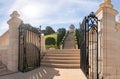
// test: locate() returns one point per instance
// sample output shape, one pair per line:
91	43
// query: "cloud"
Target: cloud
41	9
3	27
50	12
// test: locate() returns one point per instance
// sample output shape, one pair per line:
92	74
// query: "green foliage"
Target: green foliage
48	30
43	31
77	34
63	39
52	46
60	34
52	35
30	28
61	30
50	41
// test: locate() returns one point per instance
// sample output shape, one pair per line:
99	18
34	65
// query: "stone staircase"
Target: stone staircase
4	70
66	58
69	42
2	67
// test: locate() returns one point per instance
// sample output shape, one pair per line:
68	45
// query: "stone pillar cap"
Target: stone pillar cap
72	26
15	14
14	18
107	1
42	34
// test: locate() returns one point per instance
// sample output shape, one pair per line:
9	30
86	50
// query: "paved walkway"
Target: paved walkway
47	73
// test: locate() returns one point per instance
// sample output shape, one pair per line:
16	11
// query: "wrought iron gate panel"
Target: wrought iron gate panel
89	46
29	48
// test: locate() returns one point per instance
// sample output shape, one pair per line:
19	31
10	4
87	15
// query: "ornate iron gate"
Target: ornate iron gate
29	48
89	46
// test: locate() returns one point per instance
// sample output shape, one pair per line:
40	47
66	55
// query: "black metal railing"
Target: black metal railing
89	46
29	48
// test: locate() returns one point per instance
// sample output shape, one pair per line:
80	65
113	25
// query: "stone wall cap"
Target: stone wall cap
15	14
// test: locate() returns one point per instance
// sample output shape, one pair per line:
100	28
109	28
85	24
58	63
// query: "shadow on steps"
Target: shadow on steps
39	73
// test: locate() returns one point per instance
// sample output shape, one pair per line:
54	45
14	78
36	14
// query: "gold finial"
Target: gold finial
107	1
14	14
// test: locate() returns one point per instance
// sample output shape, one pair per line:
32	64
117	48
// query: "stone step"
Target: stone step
61	61
60	65
63	55
67	58
69	42
6	72
63	52
0	63
66	52
62	58
2	68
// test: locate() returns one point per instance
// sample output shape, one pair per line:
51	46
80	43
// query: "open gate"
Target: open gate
89	46
29	48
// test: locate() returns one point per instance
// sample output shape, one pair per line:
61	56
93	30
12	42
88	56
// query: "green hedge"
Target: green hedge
50	41
60	35
62	42
77	34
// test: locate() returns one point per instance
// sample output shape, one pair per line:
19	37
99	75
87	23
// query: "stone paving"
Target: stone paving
47	73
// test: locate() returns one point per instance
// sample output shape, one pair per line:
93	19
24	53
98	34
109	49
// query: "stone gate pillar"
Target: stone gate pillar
108	40
43	49
13	23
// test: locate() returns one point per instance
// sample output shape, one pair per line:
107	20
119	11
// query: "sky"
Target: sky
54	13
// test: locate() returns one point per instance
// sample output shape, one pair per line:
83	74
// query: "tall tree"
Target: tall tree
60	34
61	30
48	30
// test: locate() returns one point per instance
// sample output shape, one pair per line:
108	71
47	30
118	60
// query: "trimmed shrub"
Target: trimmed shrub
60	35
50	41
77	34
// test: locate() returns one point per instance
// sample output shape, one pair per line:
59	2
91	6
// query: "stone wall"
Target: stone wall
4	39
4	43
3	54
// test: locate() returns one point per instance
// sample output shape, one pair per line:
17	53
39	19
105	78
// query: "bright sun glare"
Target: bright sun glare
31	11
